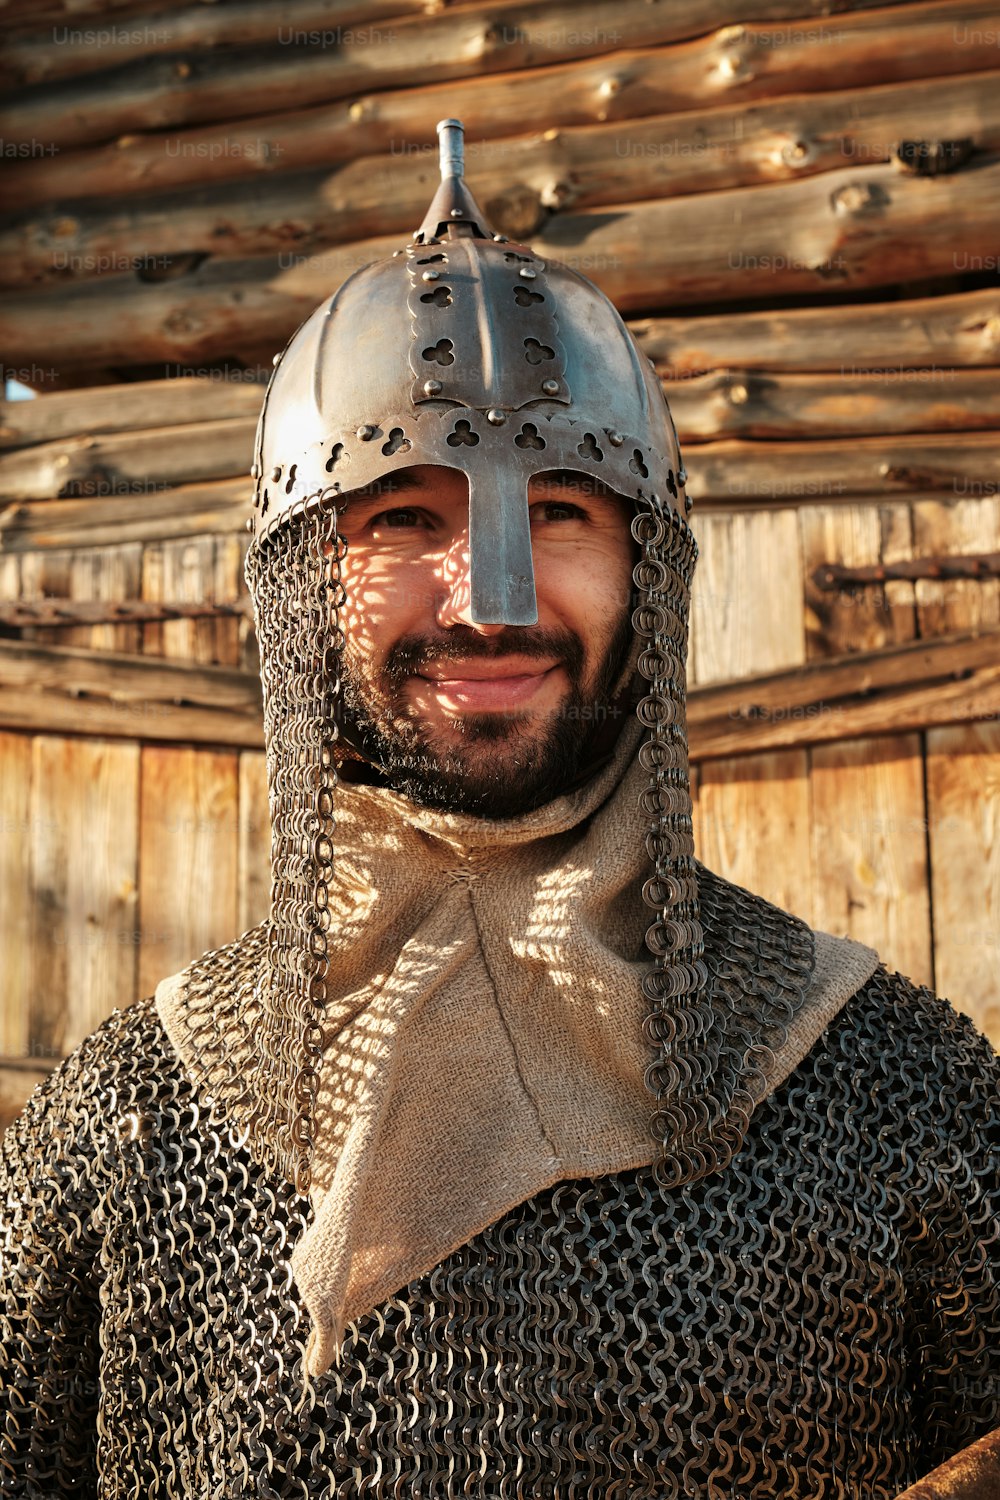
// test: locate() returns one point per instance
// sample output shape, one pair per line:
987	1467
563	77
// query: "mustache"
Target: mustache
412	652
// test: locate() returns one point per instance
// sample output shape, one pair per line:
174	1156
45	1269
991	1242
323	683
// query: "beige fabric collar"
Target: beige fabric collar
487	1022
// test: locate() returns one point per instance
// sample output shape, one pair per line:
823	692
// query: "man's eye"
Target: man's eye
399	518
557	510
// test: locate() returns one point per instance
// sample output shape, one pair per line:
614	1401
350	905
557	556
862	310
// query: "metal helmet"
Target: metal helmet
467	351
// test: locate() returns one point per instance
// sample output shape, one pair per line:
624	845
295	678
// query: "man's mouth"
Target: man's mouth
486	684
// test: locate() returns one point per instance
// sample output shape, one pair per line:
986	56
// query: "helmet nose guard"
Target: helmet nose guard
467	351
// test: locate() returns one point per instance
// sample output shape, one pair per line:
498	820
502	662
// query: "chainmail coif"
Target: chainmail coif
819	1320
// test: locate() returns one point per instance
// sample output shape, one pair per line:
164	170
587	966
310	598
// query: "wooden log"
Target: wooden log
476	40
129	463
520	182
69	50
188	510
68	613
123	408
85	798
759	404
97	576
735	63
826	235
954	680
896	339
734	475
68	690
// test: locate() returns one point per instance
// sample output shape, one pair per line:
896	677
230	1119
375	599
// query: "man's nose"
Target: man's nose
455	592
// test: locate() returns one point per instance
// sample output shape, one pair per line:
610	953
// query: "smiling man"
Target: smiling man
514	1156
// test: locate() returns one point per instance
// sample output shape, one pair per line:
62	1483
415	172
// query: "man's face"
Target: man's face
487	719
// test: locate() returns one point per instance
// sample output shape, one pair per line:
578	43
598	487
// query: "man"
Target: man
515	1154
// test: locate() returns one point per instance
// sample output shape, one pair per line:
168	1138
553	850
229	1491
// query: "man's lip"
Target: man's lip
484	671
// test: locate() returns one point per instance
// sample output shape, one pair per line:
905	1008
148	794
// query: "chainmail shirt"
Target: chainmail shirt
819	1320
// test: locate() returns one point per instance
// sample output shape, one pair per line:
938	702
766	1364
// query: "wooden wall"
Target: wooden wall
800	215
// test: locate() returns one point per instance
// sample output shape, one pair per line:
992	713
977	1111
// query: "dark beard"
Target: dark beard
524	770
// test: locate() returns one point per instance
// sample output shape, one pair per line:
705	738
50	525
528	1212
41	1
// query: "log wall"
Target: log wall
798	212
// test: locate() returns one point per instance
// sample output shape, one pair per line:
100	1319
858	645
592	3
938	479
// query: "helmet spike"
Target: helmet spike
453	211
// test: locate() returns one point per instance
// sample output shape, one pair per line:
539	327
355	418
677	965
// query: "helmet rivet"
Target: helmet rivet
430	275
456	213
496	416
432	387
550	387
682	478
249	523
527	273
276	360
254	471
615	439
501	239
276	473
366	432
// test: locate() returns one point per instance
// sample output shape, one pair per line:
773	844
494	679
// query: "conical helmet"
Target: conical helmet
467	351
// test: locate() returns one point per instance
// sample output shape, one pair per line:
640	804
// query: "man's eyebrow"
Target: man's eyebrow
387	484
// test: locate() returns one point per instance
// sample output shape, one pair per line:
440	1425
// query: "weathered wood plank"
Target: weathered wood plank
127	408
963	791
15	891
892	691
734	63
506	35
855	619
254	852
949	681
915	340
221	507
17	1082
129	463
739	627
521	181
187	874
84	831
74	691
943	529
861	227
870	877
759	404
70	50
736	474
753	825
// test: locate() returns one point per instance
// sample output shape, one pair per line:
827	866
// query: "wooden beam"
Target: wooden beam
762	404
735	63
124	408
829	235
737	475
520	182
189	510
955	679
68	690
111	42
130	463
929	333
284	73
952	680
